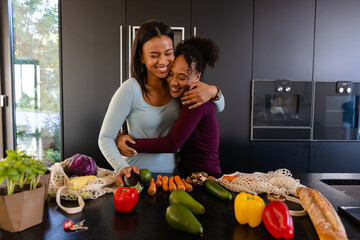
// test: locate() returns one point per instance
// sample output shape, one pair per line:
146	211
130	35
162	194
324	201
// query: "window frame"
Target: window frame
6	75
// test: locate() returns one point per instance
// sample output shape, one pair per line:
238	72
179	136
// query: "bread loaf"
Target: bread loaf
322	214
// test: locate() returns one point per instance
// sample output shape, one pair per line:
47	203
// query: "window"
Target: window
36	91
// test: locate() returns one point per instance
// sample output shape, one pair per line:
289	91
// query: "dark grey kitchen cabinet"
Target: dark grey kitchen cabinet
270	156
334	157
95	59
336	58
283	39
229	24
90	44
173	13
283	49
337	38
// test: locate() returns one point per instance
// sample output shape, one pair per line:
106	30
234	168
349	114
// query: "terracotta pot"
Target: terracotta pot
22	210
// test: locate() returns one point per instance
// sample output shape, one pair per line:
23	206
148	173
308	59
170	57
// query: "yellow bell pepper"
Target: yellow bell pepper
248	209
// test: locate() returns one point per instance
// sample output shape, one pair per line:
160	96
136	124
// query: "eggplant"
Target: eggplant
134	181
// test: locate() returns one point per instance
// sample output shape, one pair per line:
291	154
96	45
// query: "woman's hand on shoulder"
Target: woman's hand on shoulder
198	94
124	149
125	171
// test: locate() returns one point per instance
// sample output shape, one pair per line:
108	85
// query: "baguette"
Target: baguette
324	217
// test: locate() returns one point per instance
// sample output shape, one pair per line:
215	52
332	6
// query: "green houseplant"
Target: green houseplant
22	198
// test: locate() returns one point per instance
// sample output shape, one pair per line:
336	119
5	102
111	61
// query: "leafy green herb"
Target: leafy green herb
18	168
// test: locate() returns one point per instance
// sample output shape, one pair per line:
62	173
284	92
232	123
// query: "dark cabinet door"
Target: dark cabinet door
174	13
283	39
229	24
90	34
337	39
334	157
270	156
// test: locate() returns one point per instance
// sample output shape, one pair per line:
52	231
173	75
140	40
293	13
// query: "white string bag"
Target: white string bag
59	186
279	182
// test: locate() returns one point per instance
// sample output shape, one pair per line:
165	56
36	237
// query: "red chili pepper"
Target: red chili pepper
68	224
278	220
125	199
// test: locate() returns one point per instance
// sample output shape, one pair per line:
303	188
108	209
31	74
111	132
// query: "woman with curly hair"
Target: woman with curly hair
196	131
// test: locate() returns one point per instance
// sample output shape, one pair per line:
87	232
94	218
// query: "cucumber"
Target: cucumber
218	190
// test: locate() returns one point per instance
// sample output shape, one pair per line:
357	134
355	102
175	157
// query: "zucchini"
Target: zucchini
218	190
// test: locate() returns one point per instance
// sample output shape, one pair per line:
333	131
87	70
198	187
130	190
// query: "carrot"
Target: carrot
188	186
165	183
179	183
229	178
158	181
172	185
152	187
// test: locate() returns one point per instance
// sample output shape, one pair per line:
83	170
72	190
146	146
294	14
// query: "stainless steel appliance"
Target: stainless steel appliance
336	111
281	110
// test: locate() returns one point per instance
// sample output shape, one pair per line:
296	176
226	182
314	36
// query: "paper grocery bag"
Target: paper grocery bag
22	210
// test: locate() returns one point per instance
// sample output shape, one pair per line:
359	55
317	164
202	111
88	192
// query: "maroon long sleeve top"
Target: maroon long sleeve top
196	134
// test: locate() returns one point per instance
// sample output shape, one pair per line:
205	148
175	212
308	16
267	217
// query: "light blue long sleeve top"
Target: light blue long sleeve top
143	121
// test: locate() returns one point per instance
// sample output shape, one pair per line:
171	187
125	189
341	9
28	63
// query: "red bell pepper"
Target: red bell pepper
278	220
125	199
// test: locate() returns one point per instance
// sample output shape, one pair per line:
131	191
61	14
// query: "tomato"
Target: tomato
125	199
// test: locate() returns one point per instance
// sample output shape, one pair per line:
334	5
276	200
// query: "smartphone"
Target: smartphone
351	211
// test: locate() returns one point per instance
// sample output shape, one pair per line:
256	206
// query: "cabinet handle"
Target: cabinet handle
194	31
130	43
121	55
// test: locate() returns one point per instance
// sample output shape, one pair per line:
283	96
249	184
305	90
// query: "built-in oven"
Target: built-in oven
281	110
336	111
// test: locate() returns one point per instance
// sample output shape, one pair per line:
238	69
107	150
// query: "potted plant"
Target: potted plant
22	198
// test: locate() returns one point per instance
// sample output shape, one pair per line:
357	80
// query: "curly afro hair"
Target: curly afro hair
198	52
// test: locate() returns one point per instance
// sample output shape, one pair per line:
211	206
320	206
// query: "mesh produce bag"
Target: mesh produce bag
279	182
104	183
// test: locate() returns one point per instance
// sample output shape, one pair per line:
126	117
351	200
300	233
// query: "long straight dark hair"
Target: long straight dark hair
148	30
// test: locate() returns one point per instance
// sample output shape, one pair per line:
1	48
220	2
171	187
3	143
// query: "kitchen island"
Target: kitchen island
147	220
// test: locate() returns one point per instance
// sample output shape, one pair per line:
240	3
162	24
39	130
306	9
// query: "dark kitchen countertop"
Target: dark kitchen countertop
147	220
